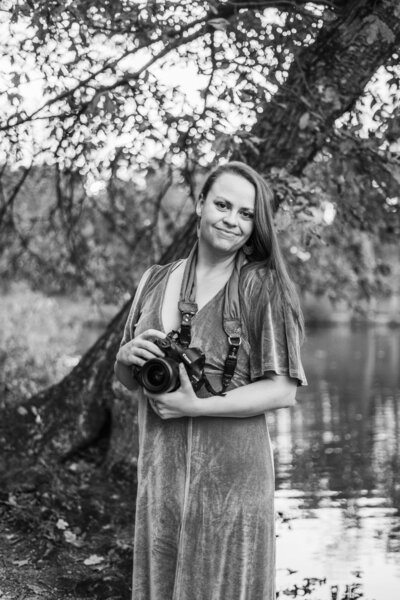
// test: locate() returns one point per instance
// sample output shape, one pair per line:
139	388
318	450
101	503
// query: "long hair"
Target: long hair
266	254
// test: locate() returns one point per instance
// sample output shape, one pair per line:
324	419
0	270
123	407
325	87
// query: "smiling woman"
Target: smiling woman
205	500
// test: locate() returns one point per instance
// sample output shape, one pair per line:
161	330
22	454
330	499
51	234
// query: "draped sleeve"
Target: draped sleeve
274	342
134	312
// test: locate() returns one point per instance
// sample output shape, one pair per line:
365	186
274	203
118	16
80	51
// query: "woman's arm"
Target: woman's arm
276	391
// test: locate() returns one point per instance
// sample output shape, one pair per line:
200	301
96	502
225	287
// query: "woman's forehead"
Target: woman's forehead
234	187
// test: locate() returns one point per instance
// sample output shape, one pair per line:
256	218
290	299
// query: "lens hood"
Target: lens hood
159	375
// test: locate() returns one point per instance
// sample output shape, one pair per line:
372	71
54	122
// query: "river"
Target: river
337	459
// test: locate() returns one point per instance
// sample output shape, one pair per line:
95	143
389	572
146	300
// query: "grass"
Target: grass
42	338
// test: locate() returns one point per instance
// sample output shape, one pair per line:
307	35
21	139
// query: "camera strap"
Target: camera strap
231	314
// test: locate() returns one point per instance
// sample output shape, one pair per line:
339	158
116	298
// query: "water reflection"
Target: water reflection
337	459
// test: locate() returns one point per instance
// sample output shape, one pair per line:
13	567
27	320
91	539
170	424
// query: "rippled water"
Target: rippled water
337	455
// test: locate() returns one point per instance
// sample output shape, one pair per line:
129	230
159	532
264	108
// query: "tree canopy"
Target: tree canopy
103	140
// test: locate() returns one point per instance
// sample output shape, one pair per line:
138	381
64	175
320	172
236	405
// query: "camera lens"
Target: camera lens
160	375
156	375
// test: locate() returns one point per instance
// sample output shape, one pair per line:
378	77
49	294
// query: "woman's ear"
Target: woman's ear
199	205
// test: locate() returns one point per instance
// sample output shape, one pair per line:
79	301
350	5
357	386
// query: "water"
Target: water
337	458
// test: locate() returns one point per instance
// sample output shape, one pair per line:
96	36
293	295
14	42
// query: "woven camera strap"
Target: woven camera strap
231	314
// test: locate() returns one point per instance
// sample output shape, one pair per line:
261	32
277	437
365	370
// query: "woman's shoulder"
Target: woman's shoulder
156	273
157	268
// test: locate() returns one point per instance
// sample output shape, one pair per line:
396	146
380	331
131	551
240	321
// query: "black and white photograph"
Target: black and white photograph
199	300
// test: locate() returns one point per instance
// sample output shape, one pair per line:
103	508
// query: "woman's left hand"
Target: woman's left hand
180	403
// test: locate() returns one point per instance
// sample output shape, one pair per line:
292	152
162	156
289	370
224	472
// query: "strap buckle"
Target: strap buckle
187	317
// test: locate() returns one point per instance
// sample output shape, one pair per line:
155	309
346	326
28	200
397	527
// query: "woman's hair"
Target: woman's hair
264	242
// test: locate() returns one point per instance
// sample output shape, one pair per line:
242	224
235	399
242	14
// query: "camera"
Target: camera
159	375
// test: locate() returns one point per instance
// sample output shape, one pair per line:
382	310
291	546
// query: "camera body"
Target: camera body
159	375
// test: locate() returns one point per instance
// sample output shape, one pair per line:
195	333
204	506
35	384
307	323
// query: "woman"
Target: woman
204	512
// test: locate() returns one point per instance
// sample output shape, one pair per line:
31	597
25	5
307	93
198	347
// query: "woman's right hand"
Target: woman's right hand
141	348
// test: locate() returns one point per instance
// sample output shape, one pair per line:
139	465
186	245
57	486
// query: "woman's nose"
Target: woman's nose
230	218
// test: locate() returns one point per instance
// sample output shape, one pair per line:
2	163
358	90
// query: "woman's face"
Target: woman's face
227	213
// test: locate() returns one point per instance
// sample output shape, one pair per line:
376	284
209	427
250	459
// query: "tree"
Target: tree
296	75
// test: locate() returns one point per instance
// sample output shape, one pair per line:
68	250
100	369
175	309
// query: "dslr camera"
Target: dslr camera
159	375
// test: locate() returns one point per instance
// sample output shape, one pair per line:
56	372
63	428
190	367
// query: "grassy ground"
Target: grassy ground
41	338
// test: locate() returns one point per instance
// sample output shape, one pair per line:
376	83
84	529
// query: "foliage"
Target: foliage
98	93
102	72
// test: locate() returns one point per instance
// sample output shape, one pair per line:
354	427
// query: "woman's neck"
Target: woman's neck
208	261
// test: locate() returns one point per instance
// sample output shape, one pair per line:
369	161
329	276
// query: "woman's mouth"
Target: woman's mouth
226	232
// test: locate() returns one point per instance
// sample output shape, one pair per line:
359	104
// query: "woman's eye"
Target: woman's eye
220	204
247	215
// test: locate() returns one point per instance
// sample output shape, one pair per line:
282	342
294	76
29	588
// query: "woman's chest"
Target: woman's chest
205	292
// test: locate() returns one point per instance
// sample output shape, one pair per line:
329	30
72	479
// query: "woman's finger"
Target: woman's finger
150	346
155	407
137	351
153	333
142	353
136	357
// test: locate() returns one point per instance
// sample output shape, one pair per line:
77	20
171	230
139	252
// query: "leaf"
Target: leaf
213	6
378	28
346	146
372	34
331	96
304	120
12	500
256	140
386	33
72	538
252	146
94	559
395	172
109	105
36	588
220	24
61	524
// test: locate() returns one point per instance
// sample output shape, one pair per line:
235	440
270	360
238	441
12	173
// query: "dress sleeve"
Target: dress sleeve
134	312
275	345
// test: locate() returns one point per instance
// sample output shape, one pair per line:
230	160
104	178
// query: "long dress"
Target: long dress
204	525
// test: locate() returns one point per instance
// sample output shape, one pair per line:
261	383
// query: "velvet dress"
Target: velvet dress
204	526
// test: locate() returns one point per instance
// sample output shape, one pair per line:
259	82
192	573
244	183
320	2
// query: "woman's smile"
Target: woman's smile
226	232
